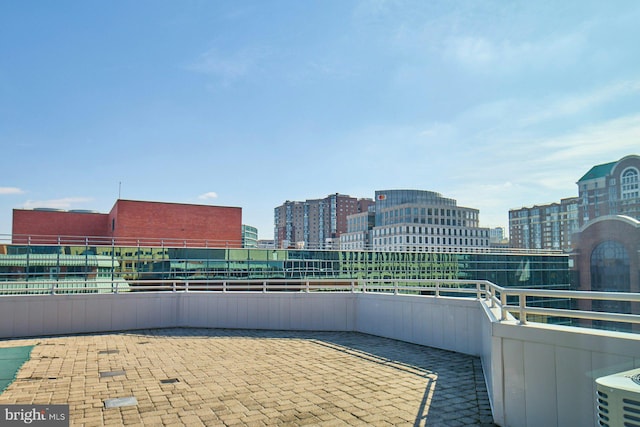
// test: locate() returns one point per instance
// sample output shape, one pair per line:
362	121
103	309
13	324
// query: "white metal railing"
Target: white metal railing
512	303
172	242
523	310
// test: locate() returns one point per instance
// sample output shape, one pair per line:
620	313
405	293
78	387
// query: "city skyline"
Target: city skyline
250	104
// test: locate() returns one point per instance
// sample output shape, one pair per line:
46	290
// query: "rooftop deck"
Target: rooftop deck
190	376
219	356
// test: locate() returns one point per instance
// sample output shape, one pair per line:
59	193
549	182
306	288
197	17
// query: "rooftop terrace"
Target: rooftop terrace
315	351
190	376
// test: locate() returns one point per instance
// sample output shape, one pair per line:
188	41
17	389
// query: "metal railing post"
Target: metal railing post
264	287
503	304
224	286
522	302
478	291
306	287
186	286
174	287
353	286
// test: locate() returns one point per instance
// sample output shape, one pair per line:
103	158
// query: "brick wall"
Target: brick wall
194	225
49	227
131	223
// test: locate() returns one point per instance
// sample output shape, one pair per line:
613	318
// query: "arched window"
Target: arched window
629	184
610	271
610	267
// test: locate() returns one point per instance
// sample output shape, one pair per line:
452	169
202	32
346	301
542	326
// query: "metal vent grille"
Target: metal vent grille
631	412
618	400
603	408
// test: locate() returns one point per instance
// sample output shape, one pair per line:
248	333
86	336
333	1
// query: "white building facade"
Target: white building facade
418	221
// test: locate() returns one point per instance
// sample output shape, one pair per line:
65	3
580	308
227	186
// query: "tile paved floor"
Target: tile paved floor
220	377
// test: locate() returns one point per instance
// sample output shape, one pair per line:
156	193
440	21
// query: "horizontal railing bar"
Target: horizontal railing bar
581	314
592	295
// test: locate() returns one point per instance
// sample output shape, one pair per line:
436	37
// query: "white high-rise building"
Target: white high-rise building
419	221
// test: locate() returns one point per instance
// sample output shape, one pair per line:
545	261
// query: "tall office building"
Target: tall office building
547	226
417	220
315	223
610	189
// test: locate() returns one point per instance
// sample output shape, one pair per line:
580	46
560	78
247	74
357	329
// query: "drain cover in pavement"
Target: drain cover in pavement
120	401
111	374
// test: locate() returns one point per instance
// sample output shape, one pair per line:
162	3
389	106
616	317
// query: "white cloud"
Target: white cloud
492	55
439	131
551	163
208	196
514	132
64	203
229	66
580	103
472	50
10	190
607	141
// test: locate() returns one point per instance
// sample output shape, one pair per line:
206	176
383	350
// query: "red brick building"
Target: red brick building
132	223
44	226
606	258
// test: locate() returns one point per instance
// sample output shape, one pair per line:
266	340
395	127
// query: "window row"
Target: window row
419	240
473	232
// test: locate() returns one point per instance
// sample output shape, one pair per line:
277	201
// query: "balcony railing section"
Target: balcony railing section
511	305
172	242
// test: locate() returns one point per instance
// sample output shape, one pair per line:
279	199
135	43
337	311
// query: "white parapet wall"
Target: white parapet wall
35	315
544	375
447	323
536	375
313	311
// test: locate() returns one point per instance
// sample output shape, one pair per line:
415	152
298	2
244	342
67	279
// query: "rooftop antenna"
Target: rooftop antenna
119	189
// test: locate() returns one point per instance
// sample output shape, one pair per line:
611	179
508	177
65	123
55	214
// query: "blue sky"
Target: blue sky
498	104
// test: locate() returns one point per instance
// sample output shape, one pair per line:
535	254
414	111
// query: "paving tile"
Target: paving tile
249	377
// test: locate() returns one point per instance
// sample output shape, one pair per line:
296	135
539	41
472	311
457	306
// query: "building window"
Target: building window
629	184
610	267
610	271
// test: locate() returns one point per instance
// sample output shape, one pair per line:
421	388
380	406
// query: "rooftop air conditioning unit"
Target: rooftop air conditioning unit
618	399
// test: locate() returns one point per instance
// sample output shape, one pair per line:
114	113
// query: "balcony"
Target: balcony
531	373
